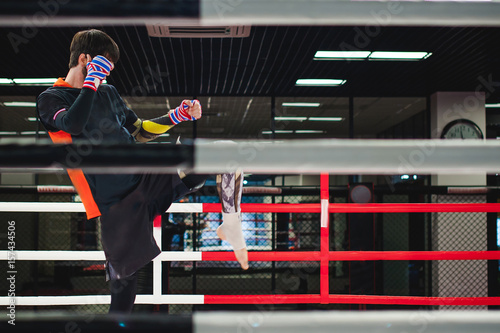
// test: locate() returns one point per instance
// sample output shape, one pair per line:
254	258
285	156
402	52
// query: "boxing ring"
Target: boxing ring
338	156
319	157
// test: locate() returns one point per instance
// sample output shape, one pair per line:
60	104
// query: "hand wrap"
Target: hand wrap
97	70
181	113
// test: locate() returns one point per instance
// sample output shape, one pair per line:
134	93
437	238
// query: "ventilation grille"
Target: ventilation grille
159	30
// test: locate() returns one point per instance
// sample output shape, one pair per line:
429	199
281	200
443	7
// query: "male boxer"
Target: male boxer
80	108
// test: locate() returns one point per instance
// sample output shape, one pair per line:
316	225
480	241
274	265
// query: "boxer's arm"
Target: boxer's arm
148	130
71	119
74	119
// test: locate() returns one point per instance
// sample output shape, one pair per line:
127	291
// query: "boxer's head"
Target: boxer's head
93	42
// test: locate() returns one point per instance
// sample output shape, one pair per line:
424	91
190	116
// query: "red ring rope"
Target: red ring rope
349	299
363	208
324	256
355	256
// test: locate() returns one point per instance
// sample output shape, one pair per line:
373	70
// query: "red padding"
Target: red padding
355	256
349	299
157	222
325	186
362	208
324	241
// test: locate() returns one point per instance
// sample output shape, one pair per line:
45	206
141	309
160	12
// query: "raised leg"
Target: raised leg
230	187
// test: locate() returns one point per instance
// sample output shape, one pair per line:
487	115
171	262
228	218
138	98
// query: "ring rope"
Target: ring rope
55	255
342	156
324	256
75	207
255	299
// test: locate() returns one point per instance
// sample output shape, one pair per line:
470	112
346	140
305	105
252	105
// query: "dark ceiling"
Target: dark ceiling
270	60
241	74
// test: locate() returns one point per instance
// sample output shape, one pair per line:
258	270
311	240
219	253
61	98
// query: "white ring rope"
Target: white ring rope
301	12
337	156
347	321
100	299
54	255
76	207
350	156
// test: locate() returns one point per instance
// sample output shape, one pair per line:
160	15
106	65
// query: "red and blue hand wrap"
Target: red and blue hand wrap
97	70
180	113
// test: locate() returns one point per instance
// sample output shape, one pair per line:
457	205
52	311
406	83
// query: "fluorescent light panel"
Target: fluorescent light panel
292	132
32	133
320	82
341	55
308	118
28	81
20	104
290	118
31	119
492	106
325	118
31	81
301	105
278	132
308	131
22	133
35	81
370	55
382	55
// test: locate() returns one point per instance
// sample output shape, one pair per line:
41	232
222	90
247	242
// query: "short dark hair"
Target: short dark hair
94	42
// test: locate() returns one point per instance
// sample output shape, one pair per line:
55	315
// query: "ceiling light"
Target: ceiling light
301	105
278	132
7	133
290	118
164	135
383	55
370	55
32	132
325	118
492	106
31	119
28	81
32	81
6	81
320	82
308	131
341	55
20	104
35	81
